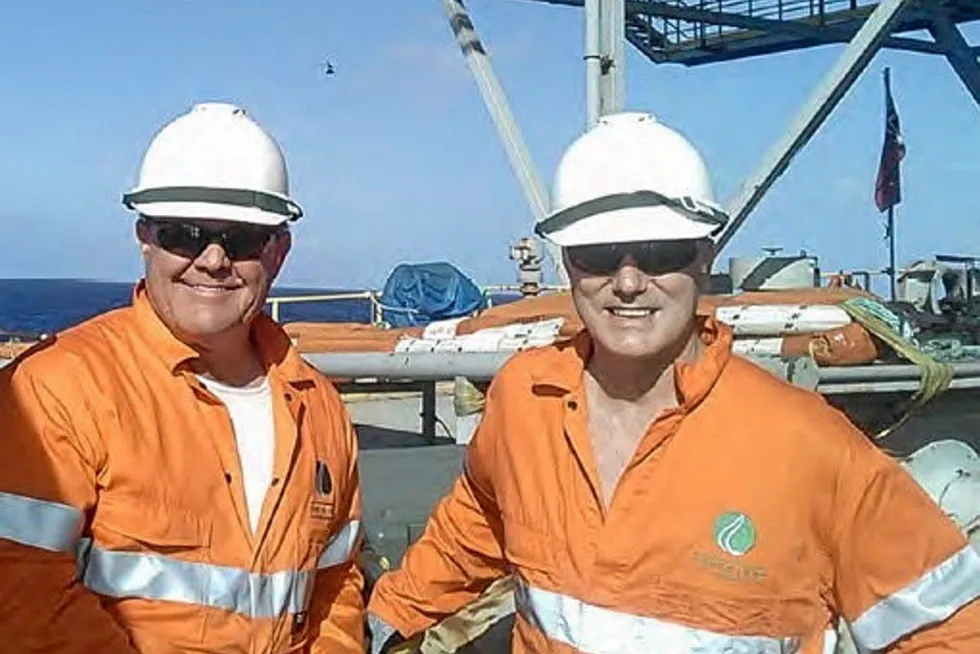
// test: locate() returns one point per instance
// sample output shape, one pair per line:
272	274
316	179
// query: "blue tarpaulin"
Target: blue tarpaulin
417	294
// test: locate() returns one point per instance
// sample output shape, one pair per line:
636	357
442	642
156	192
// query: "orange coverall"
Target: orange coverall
750	518
123	521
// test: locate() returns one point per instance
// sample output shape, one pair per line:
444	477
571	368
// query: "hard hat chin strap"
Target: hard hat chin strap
230	196
693	208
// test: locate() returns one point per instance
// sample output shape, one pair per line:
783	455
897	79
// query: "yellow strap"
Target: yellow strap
935	375
472	621
466	625
467	398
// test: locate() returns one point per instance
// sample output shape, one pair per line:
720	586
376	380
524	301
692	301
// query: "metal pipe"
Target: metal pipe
884	372
612	44
422	366
960	383
605	58
593	62
484	365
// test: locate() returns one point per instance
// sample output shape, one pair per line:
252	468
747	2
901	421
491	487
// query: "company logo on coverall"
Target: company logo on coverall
322	506
735	535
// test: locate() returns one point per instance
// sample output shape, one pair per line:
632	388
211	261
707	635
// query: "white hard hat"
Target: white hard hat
631	178
214	162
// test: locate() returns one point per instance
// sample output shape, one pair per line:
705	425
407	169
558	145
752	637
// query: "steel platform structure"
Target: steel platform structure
696	32
699	32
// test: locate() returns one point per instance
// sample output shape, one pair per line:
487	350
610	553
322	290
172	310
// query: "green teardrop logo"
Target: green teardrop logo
734	533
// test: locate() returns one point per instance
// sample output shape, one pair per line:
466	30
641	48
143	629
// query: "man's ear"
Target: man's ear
706	253
706	258
282	246
143	237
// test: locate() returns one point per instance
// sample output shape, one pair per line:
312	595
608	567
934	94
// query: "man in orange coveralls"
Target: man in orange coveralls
173	476
650	491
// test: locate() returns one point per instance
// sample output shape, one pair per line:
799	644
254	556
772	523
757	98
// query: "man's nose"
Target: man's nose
629	280
213	258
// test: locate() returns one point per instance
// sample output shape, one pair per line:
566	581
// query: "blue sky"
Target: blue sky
395	158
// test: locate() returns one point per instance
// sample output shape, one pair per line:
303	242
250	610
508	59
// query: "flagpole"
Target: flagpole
892	272
888	184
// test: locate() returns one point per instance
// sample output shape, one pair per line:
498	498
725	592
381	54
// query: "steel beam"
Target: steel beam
593	62
612	40
503	119
828	93
605	58
962	57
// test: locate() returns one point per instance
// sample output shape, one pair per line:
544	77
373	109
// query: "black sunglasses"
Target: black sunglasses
651	257
240	242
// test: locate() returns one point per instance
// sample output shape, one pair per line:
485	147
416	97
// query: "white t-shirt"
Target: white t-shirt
251	416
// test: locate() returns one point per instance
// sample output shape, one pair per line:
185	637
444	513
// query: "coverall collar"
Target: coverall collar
693	379
274	346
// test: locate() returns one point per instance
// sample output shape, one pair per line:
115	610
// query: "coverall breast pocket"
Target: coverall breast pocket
155	560
317	523
153	526
529	553
321	503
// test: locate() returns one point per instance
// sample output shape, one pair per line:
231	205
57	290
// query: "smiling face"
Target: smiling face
638	301
215	292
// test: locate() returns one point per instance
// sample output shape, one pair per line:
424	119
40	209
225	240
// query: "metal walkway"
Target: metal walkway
709	31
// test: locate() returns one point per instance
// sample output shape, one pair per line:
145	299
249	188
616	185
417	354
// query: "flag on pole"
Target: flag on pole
888	185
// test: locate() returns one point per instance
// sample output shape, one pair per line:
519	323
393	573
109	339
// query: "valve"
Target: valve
527	253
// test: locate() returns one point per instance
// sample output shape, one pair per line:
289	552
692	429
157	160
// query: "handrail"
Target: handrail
374	297
276	301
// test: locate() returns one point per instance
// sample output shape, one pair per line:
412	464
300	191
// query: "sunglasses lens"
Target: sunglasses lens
189	240
595	259
668	257
181	239
244	242
653	258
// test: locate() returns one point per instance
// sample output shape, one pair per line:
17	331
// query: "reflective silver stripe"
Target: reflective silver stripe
341	546
934	597
830	641
38	523
158	577
597	630
152	576
380	631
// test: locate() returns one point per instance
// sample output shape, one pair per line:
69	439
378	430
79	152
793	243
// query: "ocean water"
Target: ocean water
44	306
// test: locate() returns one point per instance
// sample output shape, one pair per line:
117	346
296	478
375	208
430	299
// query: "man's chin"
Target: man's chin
201	330
636	346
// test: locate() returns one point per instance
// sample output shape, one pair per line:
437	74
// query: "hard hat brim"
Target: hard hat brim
234	205
207	211
630	217
599	230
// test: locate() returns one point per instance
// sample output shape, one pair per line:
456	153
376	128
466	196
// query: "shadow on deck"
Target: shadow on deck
371	437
